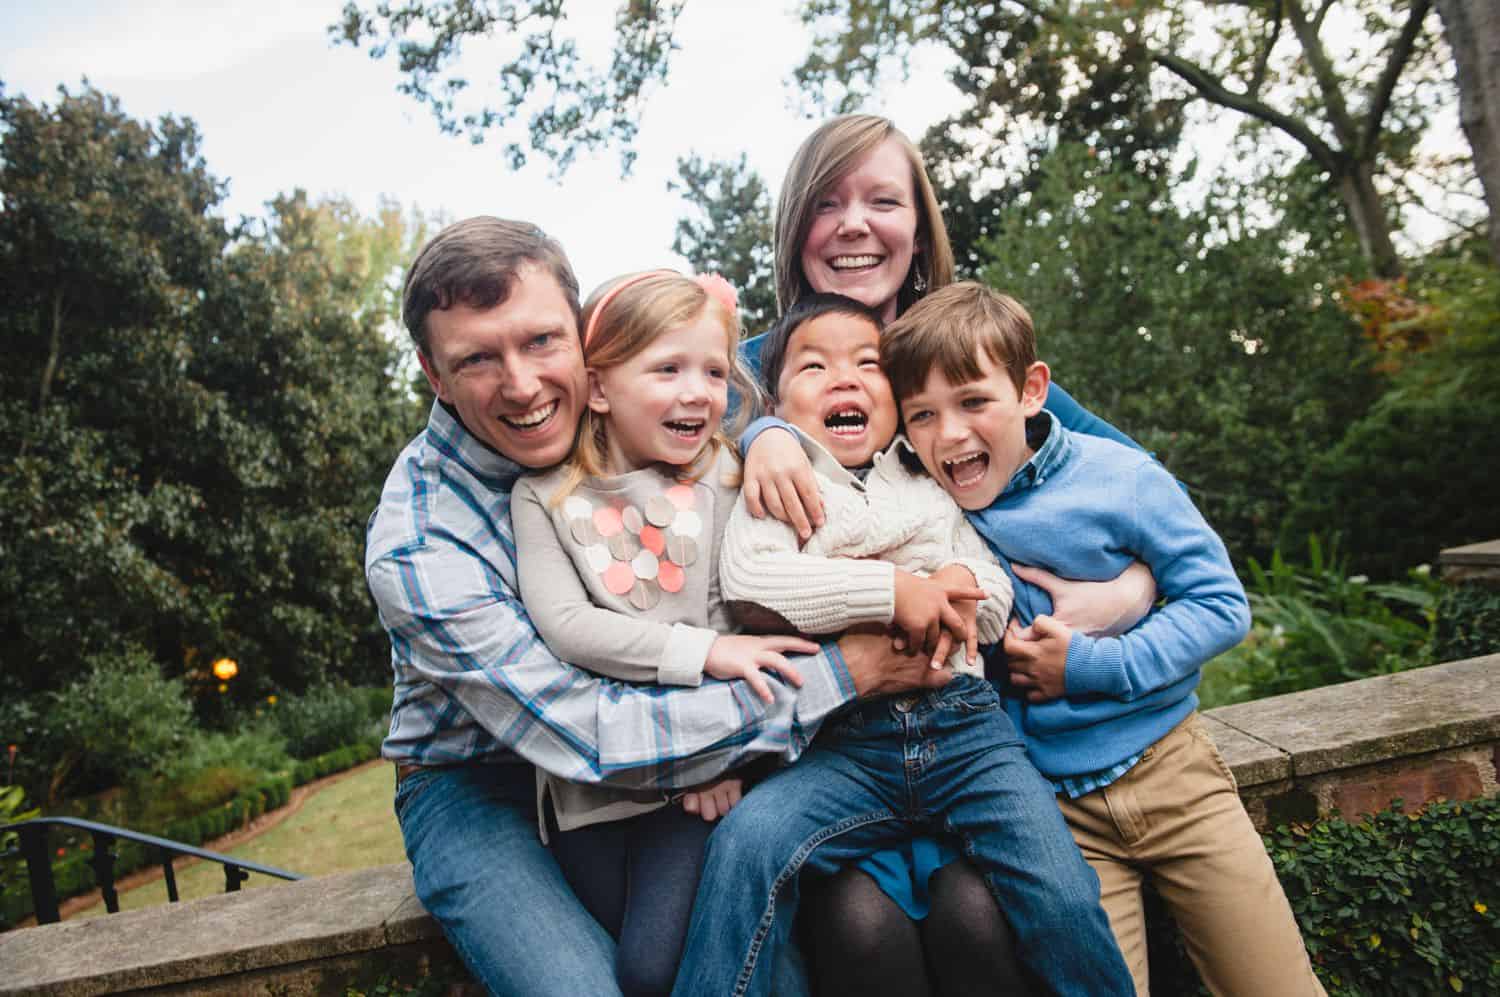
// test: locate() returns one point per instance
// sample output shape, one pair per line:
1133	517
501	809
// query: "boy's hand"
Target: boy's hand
713	800
779	479
1038	657
738	656
925	608
957	574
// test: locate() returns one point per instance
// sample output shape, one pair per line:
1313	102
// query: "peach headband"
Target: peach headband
713	285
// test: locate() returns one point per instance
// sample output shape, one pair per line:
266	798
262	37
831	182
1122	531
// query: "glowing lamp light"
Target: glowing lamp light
225	669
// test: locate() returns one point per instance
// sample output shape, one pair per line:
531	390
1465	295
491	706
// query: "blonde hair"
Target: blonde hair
948	329
623	317
830	152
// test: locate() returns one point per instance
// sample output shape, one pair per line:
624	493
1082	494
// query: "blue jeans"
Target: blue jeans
949	760
481	870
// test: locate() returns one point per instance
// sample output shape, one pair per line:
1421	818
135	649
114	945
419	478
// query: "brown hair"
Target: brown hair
474	262
833	150
948	328
631	318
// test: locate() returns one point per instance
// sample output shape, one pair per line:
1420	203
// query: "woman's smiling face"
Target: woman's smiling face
864	231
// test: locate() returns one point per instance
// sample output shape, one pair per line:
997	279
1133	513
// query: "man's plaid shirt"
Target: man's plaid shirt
475	683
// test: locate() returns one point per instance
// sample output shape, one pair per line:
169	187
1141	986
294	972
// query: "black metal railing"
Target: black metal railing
33	847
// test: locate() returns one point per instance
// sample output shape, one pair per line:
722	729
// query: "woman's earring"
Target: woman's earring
919	282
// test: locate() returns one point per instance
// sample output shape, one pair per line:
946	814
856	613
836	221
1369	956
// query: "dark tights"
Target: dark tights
862	942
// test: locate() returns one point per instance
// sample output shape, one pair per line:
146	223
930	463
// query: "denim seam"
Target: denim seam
791	869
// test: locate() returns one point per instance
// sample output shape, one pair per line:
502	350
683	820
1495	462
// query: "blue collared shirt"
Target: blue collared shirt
474	682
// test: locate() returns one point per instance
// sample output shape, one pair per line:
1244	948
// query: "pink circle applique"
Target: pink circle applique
618	578
670	577
681	496
653	540
607	521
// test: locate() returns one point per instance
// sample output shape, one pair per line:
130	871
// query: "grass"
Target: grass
346	825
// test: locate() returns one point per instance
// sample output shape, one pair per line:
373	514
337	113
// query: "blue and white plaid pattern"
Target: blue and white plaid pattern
1083	785
473	681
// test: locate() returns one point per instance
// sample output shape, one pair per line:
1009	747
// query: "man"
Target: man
492	307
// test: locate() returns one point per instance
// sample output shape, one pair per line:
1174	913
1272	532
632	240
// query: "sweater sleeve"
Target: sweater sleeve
603	641
1205	613
762	565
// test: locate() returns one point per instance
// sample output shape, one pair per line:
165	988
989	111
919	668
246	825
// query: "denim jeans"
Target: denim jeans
481	870
948	760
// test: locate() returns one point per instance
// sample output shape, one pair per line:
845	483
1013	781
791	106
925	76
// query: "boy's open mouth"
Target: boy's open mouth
965	470
847	420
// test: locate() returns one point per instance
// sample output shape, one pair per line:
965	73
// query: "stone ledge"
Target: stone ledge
1361	723
1431	731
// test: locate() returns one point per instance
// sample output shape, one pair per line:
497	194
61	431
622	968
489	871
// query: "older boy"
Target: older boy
948	760
1110	720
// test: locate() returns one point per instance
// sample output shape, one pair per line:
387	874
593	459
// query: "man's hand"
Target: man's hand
879	670
1038	658
713	800
779	479
1099	609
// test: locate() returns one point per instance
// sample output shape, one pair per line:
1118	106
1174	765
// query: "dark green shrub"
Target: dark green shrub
328	717
1468	622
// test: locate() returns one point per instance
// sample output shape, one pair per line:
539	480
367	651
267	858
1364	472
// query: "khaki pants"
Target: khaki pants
1177	817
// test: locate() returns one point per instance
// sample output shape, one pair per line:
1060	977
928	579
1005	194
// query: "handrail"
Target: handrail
33	846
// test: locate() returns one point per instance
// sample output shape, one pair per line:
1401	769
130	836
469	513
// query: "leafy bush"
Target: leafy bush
1468	622
257	746
329	717
122	721
1316	625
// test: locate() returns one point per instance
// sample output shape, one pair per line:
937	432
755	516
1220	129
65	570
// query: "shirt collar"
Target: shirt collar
452	438
1053	446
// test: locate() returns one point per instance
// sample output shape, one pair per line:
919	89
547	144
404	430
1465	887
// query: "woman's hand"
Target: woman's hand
1099	609
778	479
740	656
713	800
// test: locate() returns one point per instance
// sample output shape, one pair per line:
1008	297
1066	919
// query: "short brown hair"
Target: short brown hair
474	262
830	152
948	328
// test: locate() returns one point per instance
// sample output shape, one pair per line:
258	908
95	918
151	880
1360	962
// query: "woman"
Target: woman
858	216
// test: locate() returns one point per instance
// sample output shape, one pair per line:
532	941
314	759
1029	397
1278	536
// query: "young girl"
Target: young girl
617	552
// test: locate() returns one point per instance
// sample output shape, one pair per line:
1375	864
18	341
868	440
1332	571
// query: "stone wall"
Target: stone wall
1419	735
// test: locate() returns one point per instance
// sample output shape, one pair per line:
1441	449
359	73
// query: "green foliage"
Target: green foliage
198	420
1468	622
121	722
327	717
1406	479
1398	903
1316	624
732	235
258	746
333	761
1199	335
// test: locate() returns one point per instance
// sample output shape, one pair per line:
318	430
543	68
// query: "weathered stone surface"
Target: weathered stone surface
1392	716
214	937
410	921
1414	786
1486	553
1253	761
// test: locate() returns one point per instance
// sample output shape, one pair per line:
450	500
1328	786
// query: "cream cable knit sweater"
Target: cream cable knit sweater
845	574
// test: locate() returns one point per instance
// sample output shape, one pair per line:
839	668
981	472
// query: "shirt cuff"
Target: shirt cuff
686	653
1096	666
759	426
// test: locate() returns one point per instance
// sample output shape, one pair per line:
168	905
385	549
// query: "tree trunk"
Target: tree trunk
1357	189
1472	28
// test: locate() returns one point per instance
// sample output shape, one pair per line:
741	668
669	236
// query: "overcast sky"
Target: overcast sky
280	107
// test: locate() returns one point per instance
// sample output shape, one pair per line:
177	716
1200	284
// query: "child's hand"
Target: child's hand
713	800
957	574
1038	657
778	479
744	657
925	608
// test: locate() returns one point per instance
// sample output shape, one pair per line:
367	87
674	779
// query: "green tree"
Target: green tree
731	234
198	428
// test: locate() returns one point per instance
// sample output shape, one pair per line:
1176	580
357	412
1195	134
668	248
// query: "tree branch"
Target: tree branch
1380	99
1323	74
1258	75
1215	92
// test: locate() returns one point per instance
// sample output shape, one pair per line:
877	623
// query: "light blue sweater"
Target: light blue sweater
1084	508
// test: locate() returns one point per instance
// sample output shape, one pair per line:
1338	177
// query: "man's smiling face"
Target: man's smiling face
513	372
